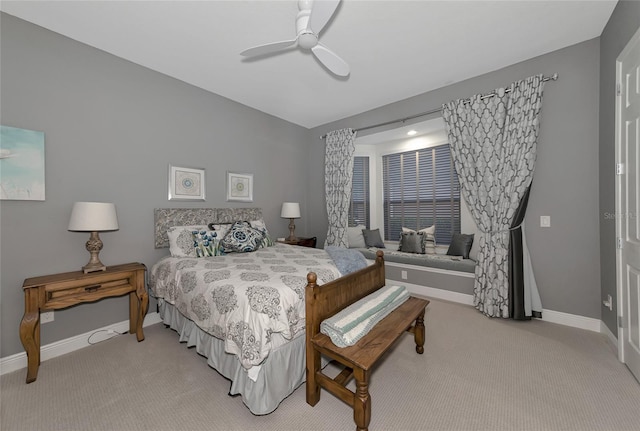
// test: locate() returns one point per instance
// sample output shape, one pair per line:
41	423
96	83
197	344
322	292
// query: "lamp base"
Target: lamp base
93	267
292	228
94	245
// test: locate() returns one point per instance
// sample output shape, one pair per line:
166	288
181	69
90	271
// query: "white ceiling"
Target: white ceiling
396	49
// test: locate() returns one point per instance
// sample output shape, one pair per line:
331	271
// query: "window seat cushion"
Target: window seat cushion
441	261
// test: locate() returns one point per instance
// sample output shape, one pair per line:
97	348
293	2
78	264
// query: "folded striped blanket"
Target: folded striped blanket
346	327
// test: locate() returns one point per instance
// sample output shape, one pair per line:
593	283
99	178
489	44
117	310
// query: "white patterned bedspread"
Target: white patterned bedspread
243	298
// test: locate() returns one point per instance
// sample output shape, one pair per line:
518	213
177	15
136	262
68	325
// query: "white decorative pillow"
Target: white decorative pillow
355	237
429	245
262	227
429	231
181	240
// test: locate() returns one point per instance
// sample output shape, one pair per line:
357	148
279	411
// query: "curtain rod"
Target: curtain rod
553	77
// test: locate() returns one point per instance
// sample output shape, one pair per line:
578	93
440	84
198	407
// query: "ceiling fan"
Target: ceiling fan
310	21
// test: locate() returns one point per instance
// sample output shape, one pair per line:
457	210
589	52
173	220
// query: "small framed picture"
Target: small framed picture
186	184
239	187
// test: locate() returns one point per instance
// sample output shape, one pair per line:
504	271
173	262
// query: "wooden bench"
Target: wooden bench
323	302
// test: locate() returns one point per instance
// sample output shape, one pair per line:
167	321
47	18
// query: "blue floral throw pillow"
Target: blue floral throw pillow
206	243
242	238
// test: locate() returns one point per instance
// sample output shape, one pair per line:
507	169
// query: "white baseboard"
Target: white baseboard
431	269
432	292
551	316
58	348
613	339
573	320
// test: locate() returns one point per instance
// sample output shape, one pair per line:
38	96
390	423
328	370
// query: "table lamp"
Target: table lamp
291	210
93	217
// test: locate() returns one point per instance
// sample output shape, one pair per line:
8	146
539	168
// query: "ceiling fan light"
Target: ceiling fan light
307	40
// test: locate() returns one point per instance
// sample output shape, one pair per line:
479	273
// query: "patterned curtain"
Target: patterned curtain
338	172
493	143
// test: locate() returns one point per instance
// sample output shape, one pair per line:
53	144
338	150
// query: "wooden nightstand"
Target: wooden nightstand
57	291
304	242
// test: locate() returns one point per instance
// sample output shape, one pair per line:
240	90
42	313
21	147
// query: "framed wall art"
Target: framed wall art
239	187
21	164
186	184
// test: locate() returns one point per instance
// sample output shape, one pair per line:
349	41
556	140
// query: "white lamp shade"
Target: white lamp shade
93	217
290	210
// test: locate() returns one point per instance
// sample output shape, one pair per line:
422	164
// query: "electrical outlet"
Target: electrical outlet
46	317
545	221
403	274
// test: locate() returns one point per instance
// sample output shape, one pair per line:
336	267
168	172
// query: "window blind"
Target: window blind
359	205
420	189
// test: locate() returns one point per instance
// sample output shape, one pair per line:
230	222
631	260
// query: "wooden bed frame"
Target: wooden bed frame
323	302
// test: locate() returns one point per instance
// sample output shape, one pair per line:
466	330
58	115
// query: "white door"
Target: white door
628	203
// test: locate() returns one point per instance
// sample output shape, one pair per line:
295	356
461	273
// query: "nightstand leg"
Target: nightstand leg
30	334
138	305
133	312
144	305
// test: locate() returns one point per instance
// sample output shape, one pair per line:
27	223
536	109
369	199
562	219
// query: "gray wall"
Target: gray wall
622	25
566	256
111	129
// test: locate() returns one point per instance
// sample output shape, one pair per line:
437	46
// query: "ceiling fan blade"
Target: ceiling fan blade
268	48
321	13
331	60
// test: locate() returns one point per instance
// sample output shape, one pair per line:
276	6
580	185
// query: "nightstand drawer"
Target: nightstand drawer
55	296
65	293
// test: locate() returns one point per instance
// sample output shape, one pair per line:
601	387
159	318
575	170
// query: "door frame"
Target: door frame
620	218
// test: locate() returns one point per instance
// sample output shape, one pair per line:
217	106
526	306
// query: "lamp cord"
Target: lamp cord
113	332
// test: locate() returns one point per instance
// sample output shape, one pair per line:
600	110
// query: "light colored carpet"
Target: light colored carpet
476	373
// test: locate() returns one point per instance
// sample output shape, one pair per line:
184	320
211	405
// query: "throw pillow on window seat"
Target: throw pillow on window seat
431	230
372	238
429	238
460	245
355	237
413	242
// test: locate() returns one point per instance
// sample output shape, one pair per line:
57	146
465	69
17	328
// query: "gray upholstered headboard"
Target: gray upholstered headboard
164	218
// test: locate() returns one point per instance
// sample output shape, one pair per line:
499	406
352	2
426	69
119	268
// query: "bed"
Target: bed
244	312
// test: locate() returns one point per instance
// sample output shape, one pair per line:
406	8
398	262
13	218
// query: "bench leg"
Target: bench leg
362	400
419	333
313	366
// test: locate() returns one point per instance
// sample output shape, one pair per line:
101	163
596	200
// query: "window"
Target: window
359	206
420	188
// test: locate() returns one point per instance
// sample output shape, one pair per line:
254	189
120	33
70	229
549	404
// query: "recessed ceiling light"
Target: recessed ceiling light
411	132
